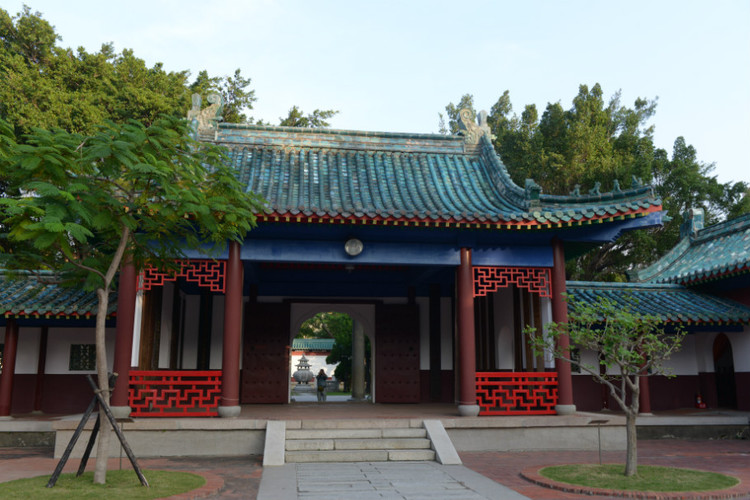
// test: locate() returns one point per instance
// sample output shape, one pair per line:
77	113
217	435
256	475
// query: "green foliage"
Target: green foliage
79	194
648	478
48	86
122	485
326	325
603	141
339	327
629	345
316	119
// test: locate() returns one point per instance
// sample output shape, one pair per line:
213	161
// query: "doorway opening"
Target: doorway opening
726	390
334	345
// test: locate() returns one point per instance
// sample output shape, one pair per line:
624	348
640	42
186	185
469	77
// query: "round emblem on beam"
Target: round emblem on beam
353	247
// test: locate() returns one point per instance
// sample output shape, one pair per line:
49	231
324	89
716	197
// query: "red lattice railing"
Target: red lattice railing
490	279
210	274
516	393
183	393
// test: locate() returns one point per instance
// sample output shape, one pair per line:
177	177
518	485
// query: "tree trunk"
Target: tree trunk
631	462
102	450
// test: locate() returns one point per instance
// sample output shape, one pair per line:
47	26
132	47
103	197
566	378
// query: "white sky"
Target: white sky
394	65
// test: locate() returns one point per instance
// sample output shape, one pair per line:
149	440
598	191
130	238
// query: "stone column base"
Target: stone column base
120	412
565	409
229	411
468	410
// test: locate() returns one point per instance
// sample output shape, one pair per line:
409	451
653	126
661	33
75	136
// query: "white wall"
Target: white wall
60	340
27	351
504	342
217	333
740	349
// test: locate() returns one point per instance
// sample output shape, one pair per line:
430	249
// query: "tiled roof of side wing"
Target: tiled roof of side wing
34	294
313	344
373	176
716	251
672	303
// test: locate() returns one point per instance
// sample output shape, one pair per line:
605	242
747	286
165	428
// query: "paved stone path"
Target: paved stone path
242	475
380	481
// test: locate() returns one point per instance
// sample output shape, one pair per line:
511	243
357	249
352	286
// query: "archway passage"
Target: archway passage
333	342
726	390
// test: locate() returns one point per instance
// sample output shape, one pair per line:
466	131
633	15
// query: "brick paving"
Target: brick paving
240	476
729	457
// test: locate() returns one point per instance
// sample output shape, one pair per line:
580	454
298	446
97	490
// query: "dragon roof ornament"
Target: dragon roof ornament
206	121
471	131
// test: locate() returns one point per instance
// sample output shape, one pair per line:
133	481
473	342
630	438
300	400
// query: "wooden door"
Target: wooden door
397	354
265	356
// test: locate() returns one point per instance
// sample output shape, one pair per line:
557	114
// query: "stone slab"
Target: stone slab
381	444
445	452
273	452
410	455
337	456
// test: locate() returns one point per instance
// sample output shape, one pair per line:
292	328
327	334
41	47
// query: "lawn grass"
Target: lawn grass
121	485
648	478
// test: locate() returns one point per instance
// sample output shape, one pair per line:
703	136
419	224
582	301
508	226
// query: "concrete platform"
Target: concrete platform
245	435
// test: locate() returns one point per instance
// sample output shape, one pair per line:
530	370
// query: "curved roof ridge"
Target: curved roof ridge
723	228
672	303
662	265
718	250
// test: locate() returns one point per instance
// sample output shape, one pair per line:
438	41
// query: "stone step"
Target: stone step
357	444
355	433
359	456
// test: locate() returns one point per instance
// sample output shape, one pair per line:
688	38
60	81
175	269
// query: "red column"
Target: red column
565	404
9	366
126	295
644	397
230	360
467	396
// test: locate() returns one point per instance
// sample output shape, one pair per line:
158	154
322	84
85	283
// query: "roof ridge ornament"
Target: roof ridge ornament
471	131
206	120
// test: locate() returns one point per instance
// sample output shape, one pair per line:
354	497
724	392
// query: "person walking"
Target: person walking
322	378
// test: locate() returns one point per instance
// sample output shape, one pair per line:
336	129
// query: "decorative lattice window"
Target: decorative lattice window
82	357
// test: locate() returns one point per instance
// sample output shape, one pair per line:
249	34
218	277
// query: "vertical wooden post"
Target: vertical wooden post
230	359
565	404
467	397
41	367
126	293
9	366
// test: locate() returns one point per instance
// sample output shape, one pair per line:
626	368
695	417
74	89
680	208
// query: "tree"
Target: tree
316	119
602	141
630	344
80	204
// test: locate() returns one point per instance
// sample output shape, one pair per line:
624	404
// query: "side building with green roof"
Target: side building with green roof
702	284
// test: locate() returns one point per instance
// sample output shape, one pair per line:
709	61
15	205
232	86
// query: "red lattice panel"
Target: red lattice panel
183	393
206	273
516	393
534	279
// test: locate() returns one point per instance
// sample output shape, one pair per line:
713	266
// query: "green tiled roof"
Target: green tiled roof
312	344
33	294
321	175
672	303
714	252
